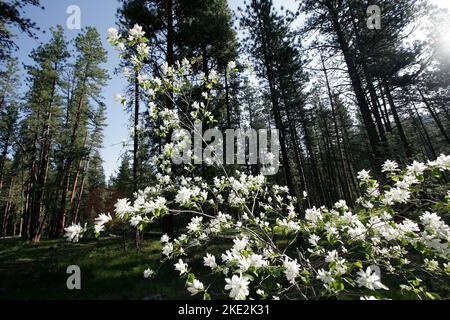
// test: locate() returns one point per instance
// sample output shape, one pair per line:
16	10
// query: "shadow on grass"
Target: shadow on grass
38	271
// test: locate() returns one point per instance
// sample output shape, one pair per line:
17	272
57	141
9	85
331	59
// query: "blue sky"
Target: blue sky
101	15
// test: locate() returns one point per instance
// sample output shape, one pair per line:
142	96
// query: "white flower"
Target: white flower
406	182
260	292
370	280
434	224
98	228
136	32
416	168
235	200
213	74
244	264
313	215
165	238
408	226
332	256
341	268
364	175
185	62
167	249
100	222
358	232
396	195
292	269
390	166
290	226
157	81
349	218
238	287
291	211
373	191
231	65
313	239
257	261
365	203
158	204
181	267
148	273
195	287
324	276
209	261
443	162
341	204
229	256
143	49
183	196
121	46
142	78
113	35
73	232
240	244
431	265
135	220
195	224
103	219
122	207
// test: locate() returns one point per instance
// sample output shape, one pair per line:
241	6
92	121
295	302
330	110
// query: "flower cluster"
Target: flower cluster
272	244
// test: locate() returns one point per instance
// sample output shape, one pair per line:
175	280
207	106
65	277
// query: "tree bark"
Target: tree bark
357	84
167	223
6	211
276	107
136	133
344	179
227	98
398	122
435	116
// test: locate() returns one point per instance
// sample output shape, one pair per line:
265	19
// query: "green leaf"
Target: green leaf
338	285
206	296
430	296
191	278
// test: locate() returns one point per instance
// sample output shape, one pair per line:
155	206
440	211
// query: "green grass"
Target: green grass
38	271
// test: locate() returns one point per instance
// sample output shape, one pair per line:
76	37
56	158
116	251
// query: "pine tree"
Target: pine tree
9	110
123	181
9	116
266	31
90	77
11	14
43	109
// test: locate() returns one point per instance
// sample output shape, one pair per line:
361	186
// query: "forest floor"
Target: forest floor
38	271
108	271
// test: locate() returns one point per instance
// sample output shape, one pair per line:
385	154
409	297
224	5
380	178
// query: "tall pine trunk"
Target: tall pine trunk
398	122
167	223
356	84
435	116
